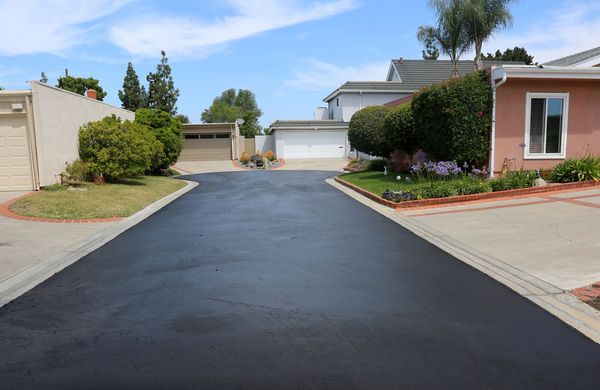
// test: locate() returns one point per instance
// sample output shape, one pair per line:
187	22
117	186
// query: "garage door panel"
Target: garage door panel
15	162
206	149
314	144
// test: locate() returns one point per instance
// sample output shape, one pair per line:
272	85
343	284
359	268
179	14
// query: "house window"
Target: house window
546	126
191	136
207	136
337	102
222	135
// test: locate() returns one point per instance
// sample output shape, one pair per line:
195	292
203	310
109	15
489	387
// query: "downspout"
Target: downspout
493	134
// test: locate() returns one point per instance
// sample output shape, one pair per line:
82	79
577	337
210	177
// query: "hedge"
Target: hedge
400	131
454	118
366	131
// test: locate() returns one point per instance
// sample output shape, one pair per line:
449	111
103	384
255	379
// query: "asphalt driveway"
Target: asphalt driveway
277	280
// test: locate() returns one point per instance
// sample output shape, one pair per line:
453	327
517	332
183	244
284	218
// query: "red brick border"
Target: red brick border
587	293
454	200
5	211
236	163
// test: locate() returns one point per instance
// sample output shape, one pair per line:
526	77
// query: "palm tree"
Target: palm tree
450	35
483	18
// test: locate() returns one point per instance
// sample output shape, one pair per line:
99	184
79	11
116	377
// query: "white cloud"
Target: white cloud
183	36
49	26
572	28
320	75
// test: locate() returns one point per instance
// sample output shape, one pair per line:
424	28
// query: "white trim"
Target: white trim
565	125
547	72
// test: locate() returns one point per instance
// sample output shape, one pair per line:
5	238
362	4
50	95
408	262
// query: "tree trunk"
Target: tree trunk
478	64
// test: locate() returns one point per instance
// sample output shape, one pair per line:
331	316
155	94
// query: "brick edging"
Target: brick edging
5	211
467	198
236	163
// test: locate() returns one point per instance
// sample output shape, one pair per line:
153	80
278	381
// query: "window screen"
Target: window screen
546	125
191	136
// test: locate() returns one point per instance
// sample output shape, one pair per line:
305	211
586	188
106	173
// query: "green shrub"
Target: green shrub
513	180
454	118
400	131
580	169
167	131
376	165
366	131
444	189
77	171
116	148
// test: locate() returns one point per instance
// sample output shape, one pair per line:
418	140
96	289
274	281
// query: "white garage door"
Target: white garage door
15	165
314	144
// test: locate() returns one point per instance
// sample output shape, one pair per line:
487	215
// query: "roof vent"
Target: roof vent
401	60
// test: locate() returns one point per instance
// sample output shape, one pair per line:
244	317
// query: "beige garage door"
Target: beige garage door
206	147
15	163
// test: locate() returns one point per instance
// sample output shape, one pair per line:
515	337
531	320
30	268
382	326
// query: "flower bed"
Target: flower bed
267	160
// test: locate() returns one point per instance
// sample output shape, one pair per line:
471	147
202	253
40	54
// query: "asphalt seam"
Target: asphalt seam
556	301
25	280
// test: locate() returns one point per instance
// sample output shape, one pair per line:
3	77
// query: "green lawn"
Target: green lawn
121	199
377	182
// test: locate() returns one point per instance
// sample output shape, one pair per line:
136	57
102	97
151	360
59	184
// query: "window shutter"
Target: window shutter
536	125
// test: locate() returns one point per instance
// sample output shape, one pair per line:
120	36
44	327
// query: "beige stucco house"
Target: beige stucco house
39	131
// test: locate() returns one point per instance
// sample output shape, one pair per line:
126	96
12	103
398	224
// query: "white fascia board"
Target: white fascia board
579	73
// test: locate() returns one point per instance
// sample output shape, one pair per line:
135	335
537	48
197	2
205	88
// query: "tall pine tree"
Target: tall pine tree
162	94
133	96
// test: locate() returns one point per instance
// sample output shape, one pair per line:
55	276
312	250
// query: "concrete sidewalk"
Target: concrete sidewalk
31	252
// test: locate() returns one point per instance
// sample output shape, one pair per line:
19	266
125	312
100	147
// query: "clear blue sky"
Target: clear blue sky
290	53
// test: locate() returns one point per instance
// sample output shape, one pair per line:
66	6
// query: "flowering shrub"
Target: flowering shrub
436	170
269	155
245	158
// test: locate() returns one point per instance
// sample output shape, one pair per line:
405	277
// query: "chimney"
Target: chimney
92	94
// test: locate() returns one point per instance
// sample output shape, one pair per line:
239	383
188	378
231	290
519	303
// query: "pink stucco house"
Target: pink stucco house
543	115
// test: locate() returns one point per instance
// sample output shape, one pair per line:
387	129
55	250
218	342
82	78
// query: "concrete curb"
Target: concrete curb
556	301
17	285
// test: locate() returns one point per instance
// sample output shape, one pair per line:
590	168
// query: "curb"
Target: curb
456	200
19	284
556	301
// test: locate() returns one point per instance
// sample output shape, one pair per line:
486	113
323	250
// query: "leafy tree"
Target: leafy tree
431	52
44	78
162	94
450	35
116	148
232	105
167	131
1	88
183	119
483	18
516	54
366	131
133	96
400	130
80	84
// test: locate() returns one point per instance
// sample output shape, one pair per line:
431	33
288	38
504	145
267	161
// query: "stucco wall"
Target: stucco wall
58	115
583	127
352	102
265	143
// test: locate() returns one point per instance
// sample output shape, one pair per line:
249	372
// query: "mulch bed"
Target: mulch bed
589	295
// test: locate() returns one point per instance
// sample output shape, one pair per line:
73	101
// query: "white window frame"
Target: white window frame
565	125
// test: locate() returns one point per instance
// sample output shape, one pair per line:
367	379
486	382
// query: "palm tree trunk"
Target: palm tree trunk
478	63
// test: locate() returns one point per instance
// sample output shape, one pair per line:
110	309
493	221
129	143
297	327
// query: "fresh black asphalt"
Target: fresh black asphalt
260	280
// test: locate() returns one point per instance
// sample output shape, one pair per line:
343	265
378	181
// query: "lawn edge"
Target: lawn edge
454	200
558	302
5	211
20	283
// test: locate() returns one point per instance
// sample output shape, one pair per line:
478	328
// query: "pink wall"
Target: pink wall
583	130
